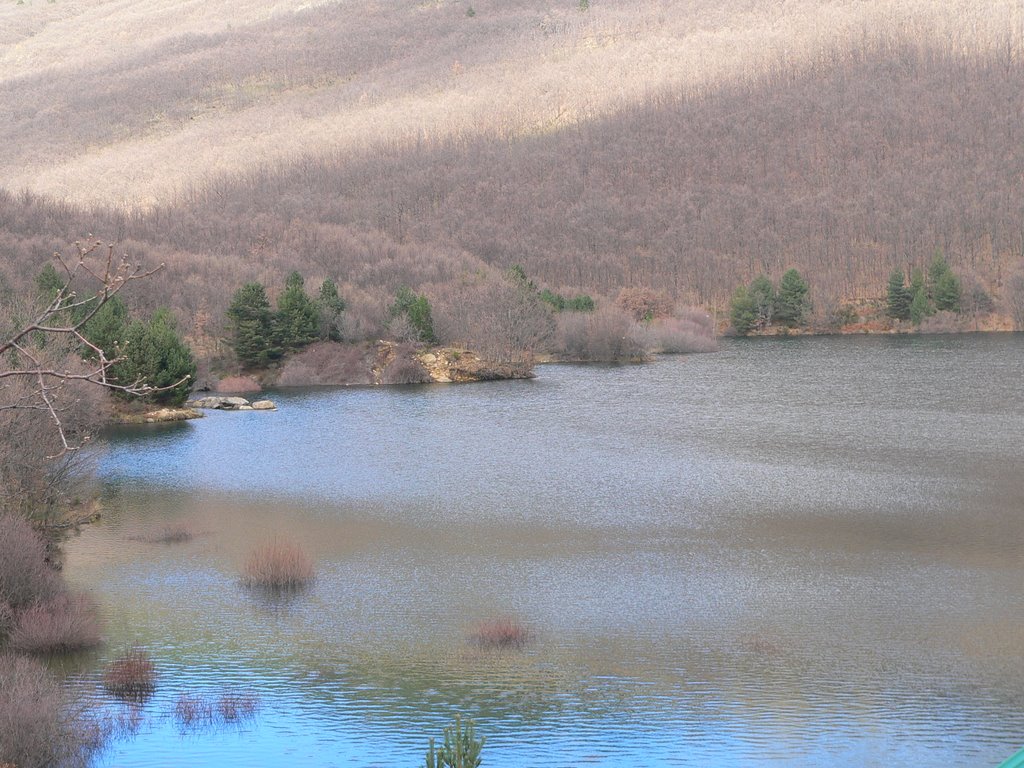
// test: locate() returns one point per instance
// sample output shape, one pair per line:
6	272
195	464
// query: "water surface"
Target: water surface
790	552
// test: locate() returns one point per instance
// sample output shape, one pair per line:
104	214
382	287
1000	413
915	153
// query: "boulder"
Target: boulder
218	403
246	408
264	405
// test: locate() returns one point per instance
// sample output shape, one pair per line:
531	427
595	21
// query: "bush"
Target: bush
131	676
404	368
63	624
39	726
501	633
280	564
691	331
25	577
326	363
600	336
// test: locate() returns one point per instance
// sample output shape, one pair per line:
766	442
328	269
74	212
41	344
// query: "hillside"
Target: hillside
682	146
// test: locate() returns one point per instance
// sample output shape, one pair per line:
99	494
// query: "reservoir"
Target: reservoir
791	552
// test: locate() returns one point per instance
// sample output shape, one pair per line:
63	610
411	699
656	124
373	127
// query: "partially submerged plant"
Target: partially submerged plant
279	563
504	632
131	675
461	749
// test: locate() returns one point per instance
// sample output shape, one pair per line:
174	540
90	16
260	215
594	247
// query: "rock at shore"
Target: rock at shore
222	403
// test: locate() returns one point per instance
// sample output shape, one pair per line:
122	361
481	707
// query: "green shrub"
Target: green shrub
460	749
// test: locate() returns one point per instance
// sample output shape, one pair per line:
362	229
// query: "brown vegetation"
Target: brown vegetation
279	563
504	632
25	576
843	139
65	623
196	711
172	533
39	725
131	675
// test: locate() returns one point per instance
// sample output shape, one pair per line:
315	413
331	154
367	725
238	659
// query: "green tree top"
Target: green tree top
742	311
297	322
793	303
252	325
897	297
155	355
416	310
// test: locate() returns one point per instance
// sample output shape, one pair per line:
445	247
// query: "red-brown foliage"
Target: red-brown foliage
278	563
39	726
404	367
25	576
62	624
131	675
504	632
328	363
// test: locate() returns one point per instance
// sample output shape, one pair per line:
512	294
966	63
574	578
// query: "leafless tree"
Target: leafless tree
35	379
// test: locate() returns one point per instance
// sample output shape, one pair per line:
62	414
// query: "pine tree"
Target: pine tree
920	307
416	310
330	305
947	293
297	322
252	325
155	355
742	311
762	293
107	328
793	303
897	297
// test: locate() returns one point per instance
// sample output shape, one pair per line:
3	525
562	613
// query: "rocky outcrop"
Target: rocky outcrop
158	416
451	364
221	403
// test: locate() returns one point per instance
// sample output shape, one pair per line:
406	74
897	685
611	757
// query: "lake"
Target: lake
791	552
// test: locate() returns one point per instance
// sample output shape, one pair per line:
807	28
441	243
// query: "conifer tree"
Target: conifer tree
297	322
252	325
330	305
155	355
742	311
793	303
897	297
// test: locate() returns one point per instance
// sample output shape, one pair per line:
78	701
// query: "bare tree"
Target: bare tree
35	379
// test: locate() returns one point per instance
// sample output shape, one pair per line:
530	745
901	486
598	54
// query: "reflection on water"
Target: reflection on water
800	552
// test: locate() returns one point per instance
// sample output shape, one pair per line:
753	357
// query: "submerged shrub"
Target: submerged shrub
279	563
131	676
60	625
39	725
235	706
172	533
503	632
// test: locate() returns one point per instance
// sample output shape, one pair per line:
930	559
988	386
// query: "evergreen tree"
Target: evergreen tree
898	297
297	322
762	293
416	310
155	355
793	303
920	307
947	293
252	325
938	269
742	311
107	328
49	282
330	305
